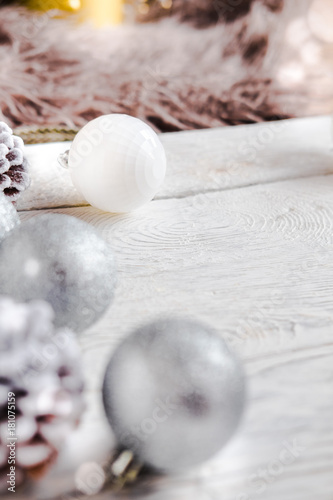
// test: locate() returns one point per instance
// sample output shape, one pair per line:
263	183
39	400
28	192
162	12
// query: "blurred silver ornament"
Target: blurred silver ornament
174	393
41	384
64	261
116	162
8	217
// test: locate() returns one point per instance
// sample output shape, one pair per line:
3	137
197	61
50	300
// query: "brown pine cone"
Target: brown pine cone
14	177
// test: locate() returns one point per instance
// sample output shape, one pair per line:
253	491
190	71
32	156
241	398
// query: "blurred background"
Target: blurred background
177	64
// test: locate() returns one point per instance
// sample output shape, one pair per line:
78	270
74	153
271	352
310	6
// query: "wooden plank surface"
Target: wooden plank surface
246	247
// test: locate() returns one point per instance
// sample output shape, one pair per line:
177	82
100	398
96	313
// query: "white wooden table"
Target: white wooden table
240	236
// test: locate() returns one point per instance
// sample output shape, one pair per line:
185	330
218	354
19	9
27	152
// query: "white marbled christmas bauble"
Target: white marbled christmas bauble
117	163
174	393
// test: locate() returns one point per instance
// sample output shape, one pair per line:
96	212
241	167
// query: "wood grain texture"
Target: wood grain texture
256	262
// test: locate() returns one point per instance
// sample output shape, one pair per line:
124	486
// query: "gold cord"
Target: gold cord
35	135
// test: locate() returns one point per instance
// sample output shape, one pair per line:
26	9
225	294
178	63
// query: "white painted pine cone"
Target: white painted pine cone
41	366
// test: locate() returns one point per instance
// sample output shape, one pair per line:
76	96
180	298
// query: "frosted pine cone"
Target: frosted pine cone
14	177
41	366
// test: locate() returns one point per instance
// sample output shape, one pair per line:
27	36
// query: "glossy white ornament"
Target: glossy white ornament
117	163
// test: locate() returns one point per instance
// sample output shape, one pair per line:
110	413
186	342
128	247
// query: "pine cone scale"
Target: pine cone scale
5	182
4	165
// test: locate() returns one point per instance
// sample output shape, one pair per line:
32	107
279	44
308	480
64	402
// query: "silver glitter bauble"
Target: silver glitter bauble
64	261
174	393
8	217
41	384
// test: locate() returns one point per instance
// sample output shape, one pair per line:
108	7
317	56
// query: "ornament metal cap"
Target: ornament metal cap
63	159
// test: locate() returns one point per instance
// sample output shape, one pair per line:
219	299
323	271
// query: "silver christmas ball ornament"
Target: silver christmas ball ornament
174	393
9	218
64	261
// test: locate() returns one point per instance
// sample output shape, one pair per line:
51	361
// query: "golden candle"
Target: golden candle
103	12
